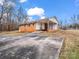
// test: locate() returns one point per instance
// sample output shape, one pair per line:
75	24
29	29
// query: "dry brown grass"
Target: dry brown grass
70	48
12	33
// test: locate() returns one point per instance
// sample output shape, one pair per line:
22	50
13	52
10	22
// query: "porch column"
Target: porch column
48	25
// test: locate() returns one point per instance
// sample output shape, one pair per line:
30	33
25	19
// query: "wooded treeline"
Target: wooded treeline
71	23
11	15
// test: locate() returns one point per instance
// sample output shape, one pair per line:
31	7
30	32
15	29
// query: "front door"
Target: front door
46	27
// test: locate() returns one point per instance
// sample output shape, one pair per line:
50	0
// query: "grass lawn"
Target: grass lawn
70	49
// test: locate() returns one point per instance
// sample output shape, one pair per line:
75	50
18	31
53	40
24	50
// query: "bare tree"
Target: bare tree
6	9
22	17
10	16
74	20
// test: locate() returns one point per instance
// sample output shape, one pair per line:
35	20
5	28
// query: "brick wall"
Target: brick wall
27	28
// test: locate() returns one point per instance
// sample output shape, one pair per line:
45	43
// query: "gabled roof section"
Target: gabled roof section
54	19
43	20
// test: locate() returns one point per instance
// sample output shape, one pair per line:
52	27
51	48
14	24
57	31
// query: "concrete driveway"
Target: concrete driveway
30	46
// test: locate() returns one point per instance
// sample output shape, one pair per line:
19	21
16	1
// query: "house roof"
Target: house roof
28	23
42	21
54	19
47	20
51	20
